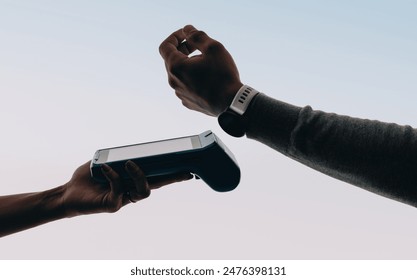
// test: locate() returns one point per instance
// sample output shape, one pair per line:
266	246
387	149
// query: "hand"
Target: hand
83	195
206	83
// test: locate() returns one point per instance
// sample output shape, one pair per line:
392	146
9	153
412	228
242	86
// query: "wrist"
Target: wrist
227	96
233	119
51	202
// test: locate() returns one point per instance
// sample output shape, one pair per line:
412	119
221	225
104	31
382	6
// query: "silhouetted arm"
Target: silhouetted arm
81	195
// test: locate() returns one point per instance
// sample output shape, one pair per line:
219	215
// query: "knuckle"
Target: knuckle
161	47
186	104
142	194
179	95
112	209
215	47
146	193
197	36
172	82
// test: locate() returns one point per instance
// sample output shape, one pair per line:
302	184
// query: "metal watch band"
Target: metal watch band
242	99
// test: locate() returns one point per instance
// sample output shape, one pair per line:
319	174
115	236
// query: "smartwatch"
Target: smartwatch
232	120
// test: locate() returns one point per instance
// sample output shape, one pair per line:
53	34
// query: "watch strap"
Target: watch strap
232	120
242	99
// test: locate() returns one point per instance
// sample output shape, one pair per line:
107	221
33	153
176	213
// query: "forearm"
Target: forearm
23	211
376	156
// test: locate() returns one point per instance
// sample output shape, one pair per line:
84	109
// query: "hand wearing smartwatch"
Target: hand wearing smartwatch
376	156
208	83
205	83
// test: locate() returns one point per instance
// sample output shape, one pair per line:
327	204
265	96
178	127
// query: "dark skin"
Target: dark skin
81	195
210	94
205	83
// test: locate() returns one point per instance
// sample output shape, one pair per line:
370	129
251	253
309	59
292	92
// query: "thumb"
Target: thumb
197	39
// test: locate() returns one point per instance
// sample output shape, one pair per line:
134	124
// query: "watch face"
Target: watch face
232	123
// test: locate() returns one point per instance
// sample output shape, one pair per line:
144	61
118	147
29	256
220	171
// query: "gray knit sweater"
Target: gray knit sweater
376	156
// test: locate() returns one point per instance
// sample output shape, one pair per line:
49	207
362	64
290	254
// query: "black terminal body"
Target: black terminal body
203	155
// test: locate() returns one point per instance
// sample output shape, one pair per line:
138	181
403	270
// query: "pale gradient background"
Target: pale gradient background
76	76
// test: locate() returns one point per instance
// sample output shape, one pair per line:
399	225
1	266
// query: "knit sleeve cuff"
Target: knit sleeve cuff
271	121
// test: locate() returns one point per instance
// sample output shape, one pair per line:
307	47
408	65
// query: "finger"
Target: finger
181	95
185	100
169	47
141	187
197	39
113	178
159	181
173	81
187	104
185	48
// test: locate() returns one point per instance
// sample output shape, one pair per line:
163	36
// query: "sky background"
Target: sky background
76	76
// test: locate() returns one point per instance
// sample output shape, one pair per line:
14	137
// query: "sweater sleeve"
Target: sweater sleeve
376	156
